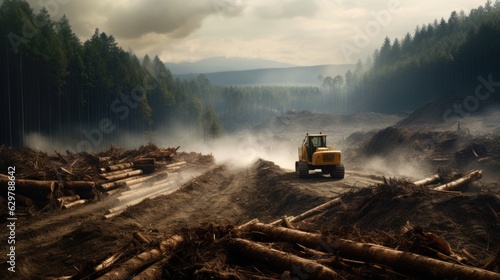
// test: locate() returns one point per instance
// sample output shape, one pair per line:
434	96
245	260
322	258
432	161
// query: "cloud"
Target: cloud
177	18
287	9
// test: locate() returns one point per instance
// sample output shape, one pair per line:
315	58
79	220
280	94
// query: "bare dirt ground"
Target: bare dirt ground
62	243
215	198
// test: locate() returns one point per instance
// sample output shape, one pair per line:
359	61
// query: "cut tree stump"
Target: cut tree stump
398	260
282	260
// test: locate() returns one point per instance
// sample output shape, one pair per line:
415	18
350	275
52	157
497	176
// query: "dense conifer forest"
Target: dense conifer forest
57	85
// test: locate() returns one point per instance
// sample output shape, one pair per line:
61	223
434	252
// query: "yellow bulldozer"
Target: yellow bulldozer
314	154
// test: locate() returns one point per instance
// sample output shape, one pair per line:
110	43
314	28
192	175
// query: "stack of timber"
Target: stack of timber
59	181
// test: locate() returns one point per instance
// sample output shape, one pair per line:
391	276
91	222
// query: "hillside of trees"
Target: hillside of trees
447	57
57	86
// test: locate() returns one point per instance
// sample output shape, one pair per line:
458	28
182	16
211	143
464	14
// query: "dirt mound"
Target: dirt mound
455	149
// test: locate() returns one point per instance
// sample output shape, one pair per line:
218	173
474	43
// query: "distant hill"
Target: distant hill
291	76
220	64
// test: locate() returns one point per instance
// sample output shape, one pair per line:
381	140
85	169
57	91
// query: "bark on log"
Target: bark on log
142	238
83	185
119	166
153	272
177	164
471	177
26	201
282	260
400	261
124	175
107	174
67	199
147	165
74	203
109	261
38	188
128	268
428	181
112	185
32	185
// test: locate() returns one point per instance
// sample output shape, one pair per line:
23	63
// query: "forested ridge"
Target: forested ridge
58	86
446	57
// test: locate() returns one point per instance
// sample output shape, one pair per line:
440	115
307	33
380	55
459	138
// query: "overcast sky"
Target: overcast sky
300	32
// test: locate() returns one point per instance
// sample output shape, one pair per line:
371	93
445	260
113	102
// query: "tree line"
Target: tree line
447	56
58	86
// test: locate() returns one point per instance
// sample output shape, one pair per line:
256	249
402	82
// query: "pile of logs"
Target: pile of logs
452	186
289	253
75	179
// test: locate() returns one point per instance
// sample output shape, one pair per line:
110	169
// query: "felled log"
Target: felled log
153	272
119	166
147	165
146	193
39	188
312	212
107	174
74	203
124	175
282	260
109	261
104	159
142	238
175	165
67	199
79	185
112	185
128	268
491	264
398	260
24	200
428	181
469	178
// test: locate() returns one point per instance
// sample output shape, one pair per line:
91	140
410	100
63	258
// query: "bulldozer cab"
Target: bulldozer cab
313	141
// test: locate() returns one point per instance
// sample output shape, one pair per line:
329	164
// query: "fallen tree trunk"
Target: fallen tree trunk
128	268
26	201
153	272
108	262
177	164
112	185
67	199
398	260
282	260
74	203
107	174
311	212
32	185
84	185
147	165
119	166
38	188
428	181
471	177
124	175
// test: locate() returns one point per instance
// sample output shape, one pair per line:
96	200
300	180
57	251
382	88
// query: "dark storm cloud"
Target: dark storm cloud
177	18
